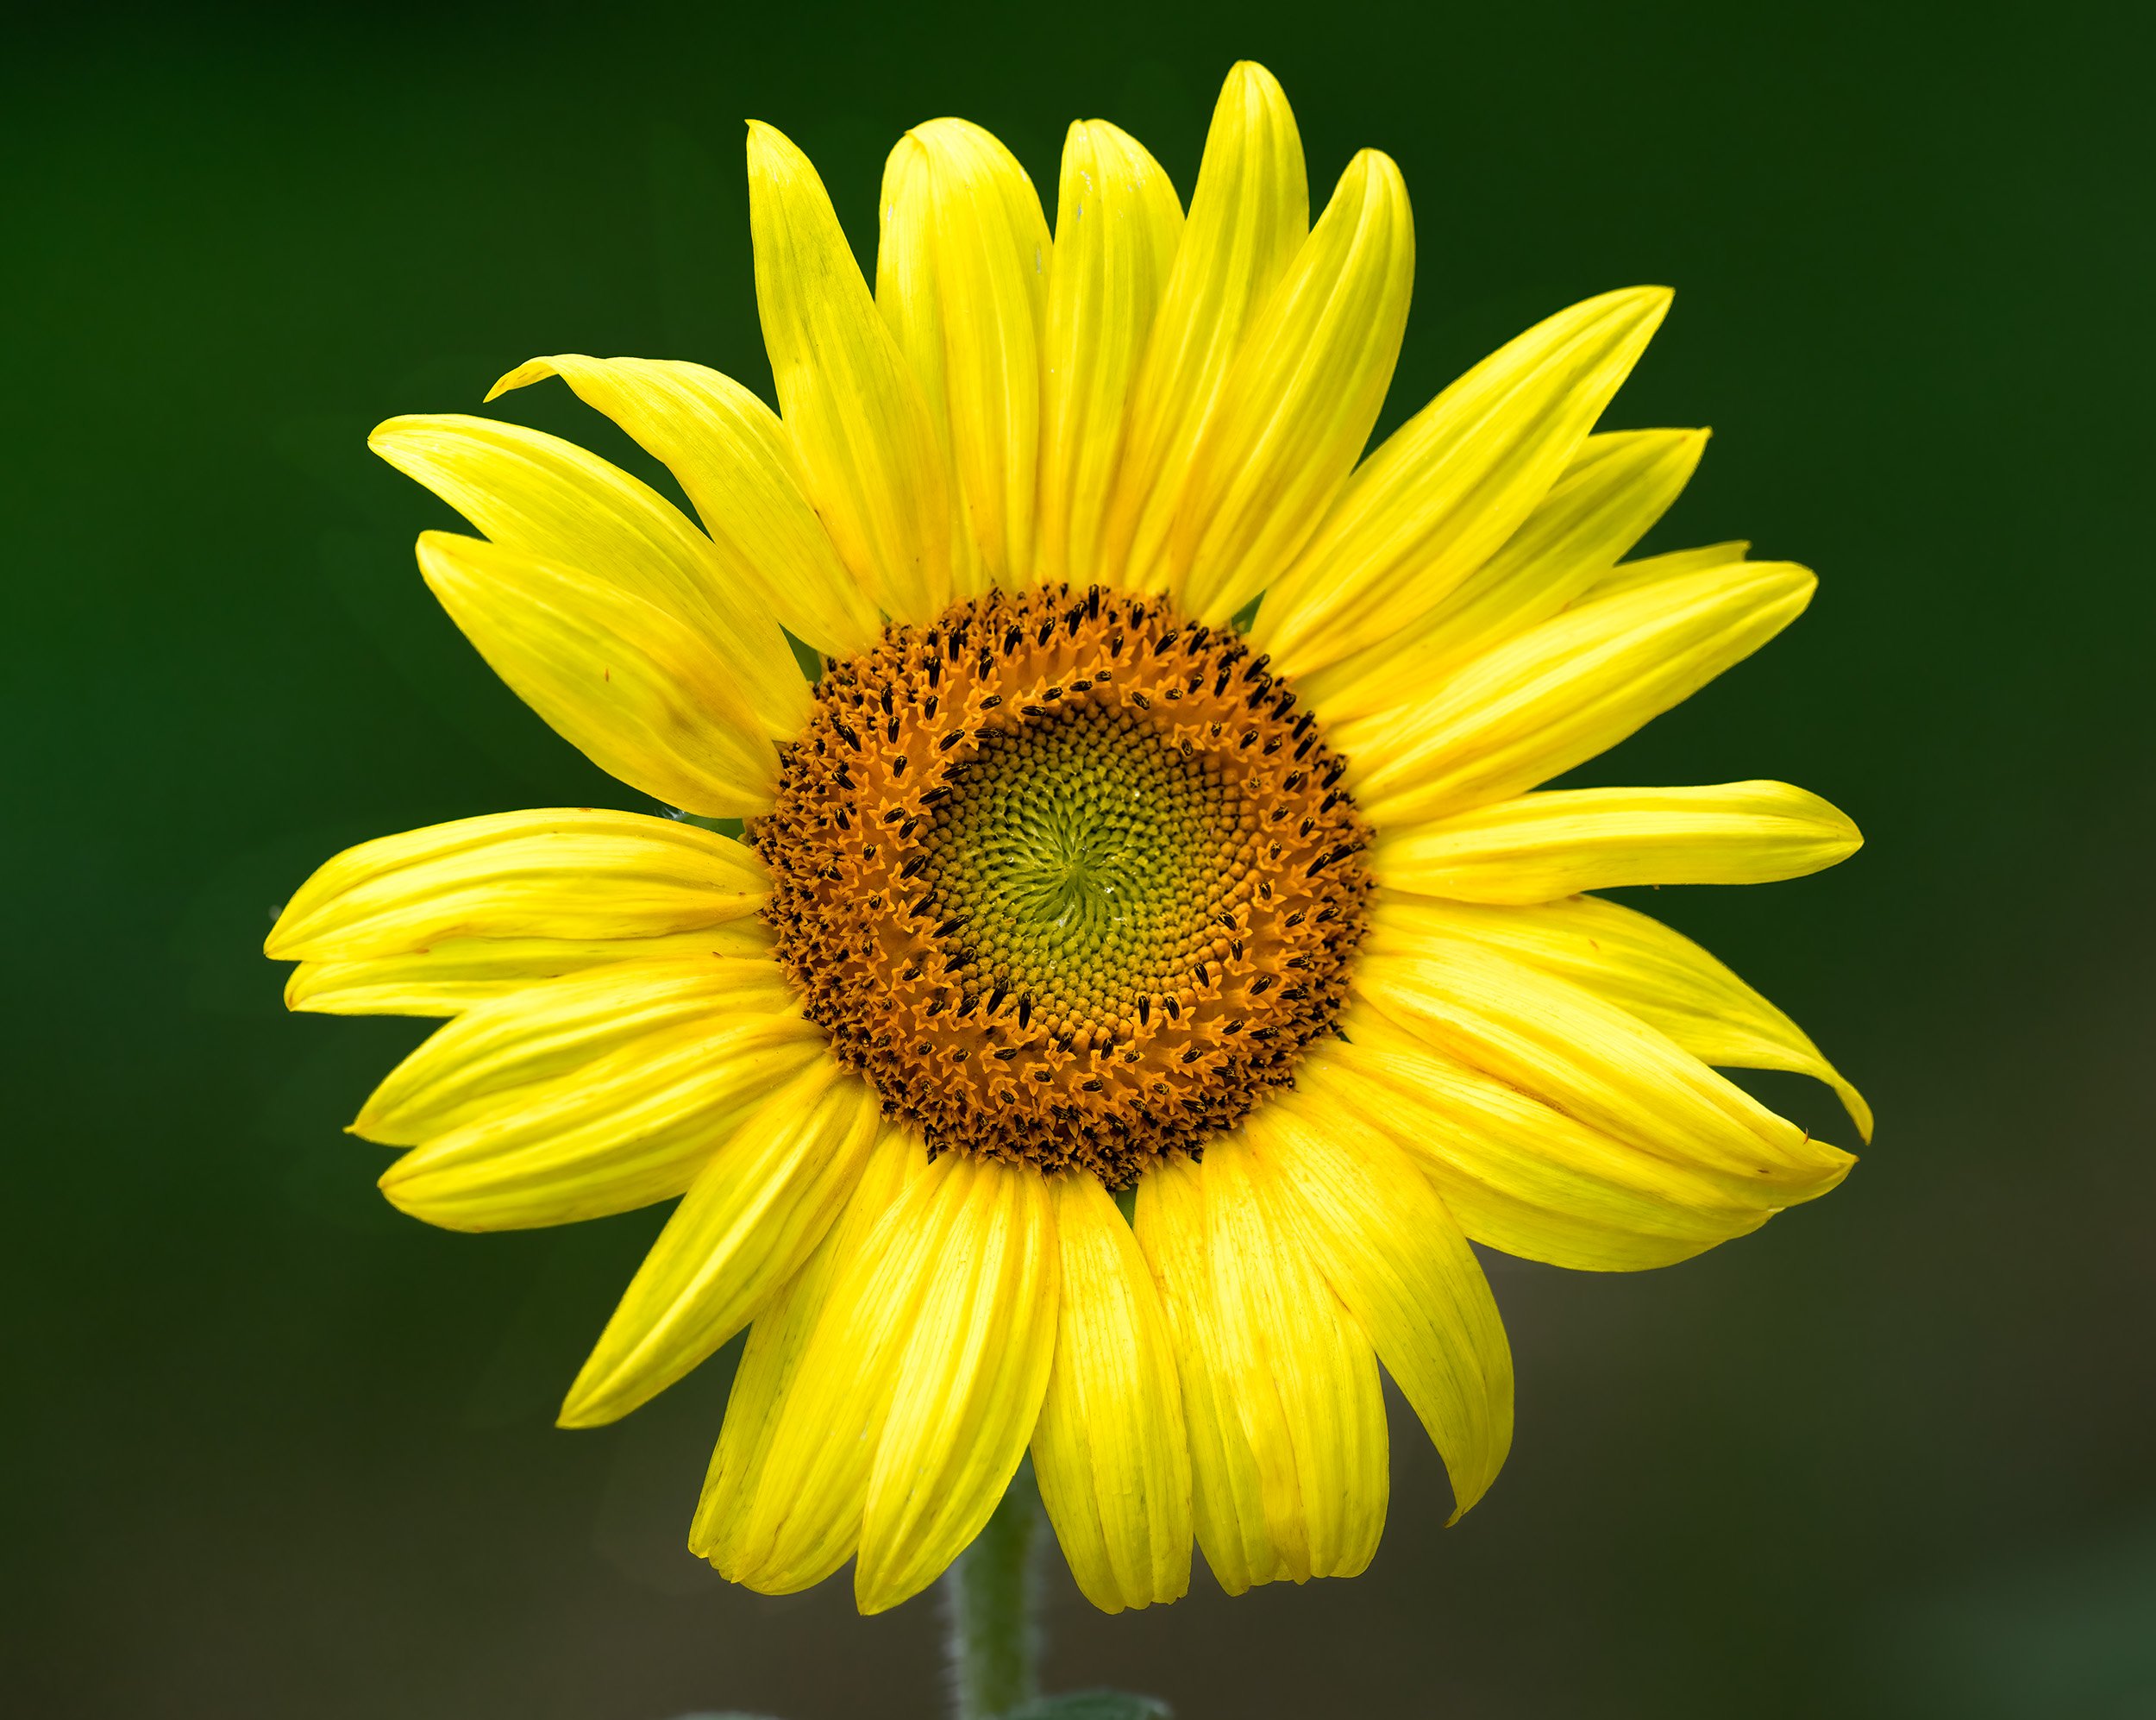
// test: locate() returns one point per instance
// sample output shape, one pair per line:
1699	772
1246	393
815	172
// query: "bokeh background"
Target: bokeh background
273	1450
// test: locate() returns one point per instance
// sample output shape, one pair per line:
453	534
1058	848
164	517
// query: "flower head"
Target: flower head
1149	960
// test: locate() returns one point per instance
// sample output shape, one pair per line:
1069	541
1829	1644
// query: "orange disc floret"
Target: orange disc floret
1066	876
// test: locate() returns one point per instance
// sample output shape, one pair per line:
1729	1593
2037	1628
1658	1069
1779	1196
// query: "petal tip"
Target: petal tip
530	371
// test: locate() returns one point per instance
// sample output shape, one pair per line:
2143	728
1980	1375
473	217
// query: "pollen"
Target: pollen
1068	877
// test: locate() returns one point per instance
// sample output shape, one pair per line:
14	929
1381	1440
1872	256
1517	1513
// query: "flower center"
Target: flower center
1067	877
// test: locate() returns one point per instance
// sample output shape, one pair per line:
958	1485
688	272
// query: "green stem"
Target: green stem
991	1600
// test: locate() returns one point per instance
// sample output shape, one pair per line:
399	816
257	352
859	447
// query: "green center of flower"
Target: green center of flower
1083	858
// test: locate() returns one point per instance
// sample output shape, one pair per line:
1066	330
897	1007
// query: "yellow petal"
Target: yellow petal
735	1483
1641	965
811	1484
961	276
1564	691
867	446
1110	1453
747	1225
908	294
571	872
1298	405
1227	1491
1540	847
635	691
630	1130
736	464
1117	224
1516	1174
450	977
1287	1421
496	1055
556	503
1393	1253
970	1381
1596	1062
1454	482
1618	484
1250	213
1674	565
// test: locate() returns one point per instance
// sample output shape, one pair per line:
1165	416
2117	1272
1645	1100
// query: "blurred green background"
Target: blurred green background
273	1450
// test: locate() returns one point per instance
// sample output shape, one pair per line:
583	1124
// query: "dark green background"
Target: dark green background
276	1451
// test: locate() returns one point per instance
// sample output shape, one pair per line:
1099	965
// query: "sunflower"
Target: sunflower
1130	998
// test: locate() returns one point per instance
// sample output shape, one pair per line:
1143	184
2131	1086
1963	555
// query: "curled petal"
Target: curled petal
1641	965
